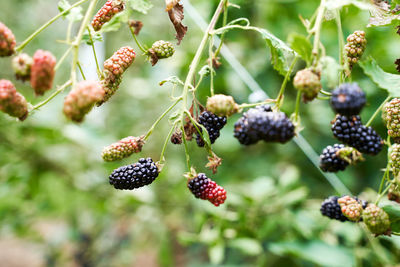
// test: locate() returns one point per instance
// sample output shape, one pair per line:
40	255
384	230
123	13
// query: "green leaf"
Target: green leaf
74	14
143	6
247	245
394	215
216	253
282	55
173	79
301	45
388	81
96	37
115	23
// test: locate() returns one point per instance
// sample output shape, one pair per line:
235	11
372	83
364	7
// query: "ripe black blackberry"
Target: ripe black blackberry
213	125
348	99
344	127
136	175
331	209
330	160
261	123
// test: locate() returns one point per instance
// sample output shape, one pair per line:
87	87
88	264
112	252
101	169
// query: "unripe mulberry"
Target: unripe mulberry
377	220
261	123
159	50
391	116
22	66
81	99
12	102
7	41
114	67
136	175
348	99
42	71
204	188
222	105
351	208
308	82
123	148
355	47
107	12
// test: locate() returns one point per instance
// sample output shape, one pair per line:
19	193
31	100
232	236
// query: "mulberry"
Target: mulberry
114	67
22	66
107	12
262	124
7	41
308	82
159	50
42	71
123	148
355	47
377	220
204	188
213	125
81	99
136	175
222	105
12	102
348	99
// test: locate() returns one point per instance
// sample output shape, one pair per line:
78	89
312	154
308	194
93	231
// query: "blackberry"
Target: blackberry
308	82
204	188
351	208
330	160
348	99
331	209
350	131
213	125
262	124
222	105
136	175
377	220
355	47
391	117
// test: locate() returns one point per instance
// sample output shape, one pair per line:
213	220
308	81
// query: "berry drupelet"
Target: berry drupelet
204	188
331	209
213	125
348	99
136	175
330	160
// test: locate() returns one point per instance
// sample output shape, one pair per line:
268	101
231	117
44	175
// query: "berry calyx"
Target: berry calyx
123	148
22	65
222	105
107	12
377	220
136	175
337	157
204	188
7	41
12	102
81	100
213	125
42	71
348	99
308	82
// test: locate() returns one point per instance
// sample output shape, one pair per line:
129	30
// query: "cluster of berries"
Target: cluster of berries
347	101
355	47
352	209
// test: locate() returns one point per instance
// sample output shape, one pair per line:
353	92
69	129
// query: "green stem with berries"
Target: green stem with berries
279	98
136	40
59	90
99	73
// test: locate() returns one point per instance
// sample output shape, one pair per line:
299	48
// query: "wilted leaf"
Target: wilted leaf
176	16
143	6
381	14
301	45
388	81
74	14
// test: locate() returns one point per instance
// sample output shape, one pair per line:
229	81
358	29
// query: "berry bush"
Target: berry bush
334	96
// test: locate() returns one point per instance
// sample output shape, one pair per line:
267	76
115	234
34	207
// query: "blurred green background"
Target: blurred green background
57	208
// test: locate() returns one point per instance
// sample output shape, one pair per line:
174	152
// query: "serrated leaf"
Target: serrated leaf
301	45
388	81
115	23
142	6
74	14
282	55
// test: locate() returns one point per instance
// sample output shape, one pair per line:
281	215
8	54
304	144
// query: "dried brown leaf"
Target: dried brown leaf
176	16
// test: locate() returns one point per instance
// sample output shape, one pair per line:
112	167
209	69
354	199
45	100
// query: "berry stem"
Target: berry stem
186	146
325	93
341	44
81	70
317	31
224	22
47	24
252	105
59	90
136	40
210	64
296	112
161	117
377	111
279	98
99	73
162	160
78	39
63	57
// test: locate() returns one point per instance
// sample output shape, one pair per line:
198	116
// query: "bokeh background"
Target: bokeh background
57	208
